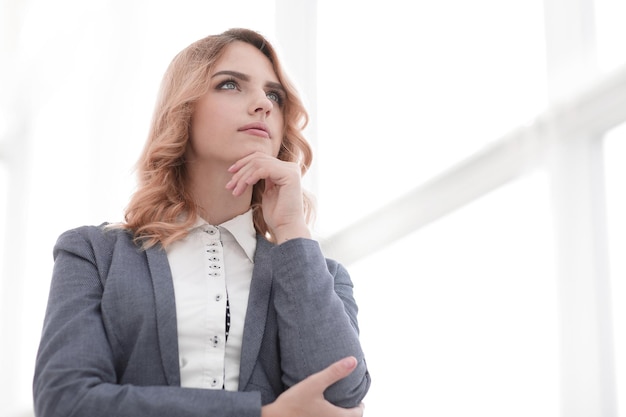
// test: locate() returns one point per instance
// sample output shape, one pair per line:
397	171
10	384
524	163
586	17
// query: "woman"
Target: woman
211	299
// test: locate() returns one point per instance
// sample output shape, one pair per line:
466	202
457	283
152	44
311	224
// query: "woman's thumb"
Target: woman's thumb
336	371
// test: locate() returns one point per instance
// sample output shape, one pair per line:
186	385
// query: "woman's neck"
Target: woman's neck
216	204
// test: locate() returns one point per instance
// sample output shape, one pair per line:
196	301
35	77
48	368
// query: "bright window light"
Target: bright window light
615	149
461	318
407	89
4	189
610	31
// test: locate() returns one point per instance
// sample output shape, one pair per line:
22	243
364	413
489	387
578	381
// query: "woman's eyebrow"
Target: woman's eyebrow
235	74
275	86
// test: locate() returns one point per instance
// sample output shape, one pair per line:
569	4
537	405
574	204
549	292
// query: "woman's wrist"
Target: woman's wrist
269	410
289	232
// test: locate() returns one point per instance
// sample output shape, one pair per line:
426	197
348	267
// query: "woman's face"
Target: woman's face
242	111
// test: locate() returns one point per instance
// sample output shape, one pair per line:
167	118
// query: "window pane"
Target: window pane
4	193
406	89
460	318
611	32
615	150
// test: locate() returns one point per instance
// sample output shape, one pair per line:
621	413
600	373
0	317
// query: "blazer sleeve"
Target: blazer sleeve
75	373
317	319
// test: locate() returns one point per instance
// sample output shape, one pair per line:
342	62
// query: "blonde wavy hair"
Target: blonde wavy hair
162	209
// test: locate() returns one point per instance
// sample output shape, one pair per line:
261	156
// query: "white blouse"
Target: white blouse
209	266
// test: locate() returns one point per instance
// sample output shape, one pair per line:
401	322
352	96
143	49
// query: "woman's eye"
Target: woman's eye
274	96
228	85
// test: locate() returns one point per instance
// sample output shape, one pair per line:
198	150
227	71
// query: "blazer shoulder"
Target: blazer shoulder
96	236
97	244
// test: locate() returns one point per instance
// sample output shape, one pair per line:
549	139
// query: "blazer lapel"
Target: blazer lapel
165	312
256	314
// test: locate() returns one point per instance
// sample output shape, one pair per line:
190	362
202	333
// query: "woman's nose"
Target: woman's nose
261	103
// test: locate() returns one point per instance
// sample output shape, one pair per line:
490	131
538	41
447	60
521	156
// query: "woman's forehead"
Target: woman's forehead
247	59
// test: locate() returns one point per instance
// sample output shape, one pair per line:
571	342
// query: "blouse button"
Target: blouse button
218	297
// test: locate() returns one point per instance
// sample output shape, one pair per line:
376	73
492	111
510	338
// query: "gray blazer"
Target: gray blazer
109	345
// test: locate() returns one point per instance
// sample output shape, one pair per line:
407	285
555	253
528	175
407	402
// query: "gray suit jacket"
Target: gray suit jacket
109	345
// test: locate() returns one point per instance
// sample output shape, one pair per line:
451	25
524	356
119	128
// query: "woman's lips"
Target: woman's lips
256	129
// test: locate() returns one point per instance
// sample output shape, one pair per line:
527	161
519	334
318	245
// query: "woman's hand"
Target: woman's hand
306	399
283	209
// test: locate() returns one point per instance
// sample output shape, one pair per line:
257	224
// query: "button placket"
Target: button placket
216	335
214	251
